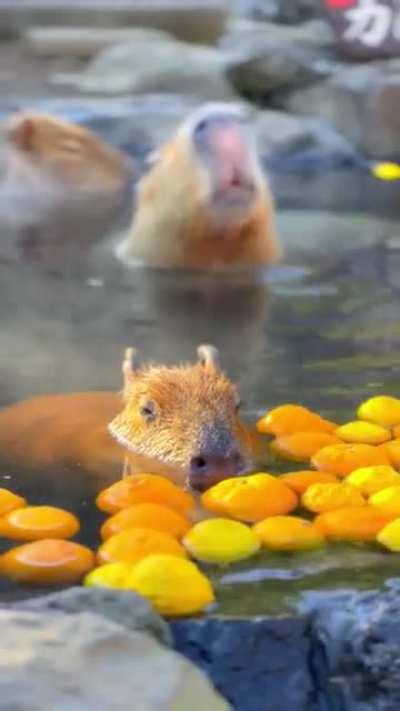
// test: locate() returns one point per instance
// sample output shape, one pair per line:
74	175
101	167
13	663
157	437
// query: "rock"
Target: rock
189	20
124	608
84	41
54	661
356	649
361	102
314	34
282	133
271	57
263	658
285	11
158	66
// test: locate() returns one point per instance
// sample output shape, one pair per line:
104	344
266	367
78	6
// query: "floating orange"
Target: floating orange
32	523
389	536
352	524
342	459
47	562
288	533
392	452
301	446
381	409
325	496
300	481
133	544
363	432
369	480
174	586
250	498
10	501
220	540
144	488
288	419
387	500
155	516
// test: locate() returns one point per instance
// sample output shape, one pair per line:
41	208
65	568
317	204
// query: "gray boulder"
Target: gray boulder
360	101
280	132
191	20
60	662
286	11
158	65
124	608
356	648
259	664
270	57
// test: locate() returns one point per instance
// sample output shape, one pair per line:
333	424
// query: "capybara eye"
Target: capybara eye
148	410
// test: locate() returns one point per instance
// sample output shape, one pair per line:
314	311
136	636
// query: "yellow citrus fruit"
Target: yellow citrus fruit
110	575
155	516
301	446
326	497
369	480
32	523
381	409
387	500
10	501
288	419
389	536
363	432
250	498
352	524
132	544
144	488
386	171
300	481
47	562
220	540
288	533
175	586
342	459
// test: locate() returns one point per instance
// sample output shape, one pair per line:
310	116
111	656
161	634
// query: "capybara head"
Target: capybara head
220	138
184	418
66	152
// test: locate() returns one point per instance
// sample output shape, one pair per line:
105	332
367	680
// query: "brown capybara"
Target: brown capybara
179	421
205	202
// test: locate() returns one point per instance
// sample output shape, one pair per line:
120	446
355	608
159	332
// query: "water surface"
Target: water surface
321	329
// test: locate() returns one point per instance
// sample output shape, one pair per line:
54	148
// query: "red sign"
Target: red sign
340	4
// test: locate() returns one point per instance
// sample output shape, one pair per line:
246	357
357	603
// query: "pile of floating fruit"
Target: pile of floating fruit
349	492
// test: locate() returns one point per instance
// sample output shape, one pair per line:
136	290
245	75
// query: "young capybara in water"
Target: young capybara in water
179	421
61	184
205	202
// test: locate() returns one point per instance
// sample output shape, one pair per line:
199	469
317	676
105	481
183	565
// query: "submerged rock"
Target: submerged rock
57	661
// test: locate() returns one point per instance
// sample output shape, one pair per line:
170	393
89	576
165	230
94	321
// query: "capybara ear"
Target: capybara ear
209	356
130	366
21	133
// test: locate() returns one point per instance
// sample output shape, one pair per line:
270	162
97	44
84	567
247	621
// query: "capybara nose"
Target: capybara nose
208	469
